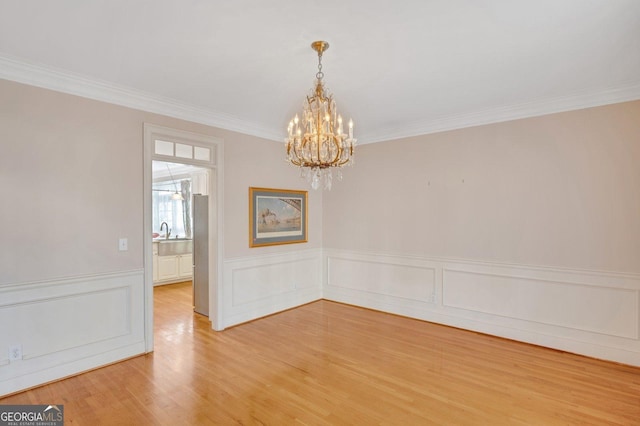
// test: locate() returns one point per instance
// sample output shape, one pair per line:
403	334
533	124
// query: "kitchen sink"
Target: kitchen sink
174	247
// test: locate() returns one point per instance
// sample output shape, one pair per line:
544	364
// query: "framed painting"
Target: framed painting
277	216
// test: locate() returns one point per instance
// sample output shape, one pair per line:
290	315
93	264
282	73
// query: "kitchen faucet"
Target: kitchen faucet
167	228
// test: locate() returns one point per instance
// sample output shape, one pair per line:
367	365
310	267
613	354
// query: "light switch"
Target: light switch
123	244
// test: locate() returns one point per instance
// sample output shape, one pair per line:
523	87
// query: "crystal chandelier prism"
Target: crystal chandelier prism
316	141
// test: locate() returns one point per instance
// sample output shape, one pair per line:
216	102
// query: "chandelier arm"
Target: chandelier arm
336	158
298	149
318	136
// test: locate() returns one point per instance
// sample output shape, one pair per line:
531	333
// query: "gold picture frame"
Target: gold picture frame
277	216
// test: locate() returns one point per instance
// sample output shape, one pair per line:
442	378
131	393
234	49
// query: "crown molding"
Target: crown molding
62	81
75	84
623	93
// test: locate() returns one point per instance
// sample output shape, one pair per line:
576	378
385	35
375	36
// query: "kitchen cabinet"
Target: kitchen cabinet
172	261
174	268
185	265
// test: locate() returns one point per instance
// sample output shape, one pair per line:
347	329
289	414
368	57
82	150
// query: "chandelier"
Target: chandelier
316	142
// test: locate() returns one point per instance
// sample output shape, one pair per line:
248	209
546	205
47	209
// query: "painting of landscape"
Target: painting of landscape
277	216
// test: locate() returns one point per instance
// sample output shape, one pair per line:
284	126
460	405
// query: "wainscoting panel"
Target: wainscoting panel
259	286
586	312
394	277
67	326
600	309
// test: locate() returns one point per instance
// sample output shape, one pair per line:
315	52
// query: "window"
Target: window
167	209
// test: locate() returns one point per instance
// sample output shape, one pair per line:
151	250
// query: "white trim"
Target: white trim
216	216
76	84
68	280
543	106
217	223
147	239
63	81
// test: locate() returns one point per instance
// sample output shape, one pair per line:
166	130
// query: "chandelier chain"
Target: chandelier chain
319	74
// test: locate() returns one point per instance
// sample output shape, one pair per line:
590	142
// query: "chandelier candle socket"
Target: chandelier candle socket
317	142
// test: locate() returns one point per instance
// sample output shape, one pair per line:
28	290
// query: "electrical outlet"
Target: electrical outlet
15	352
433	298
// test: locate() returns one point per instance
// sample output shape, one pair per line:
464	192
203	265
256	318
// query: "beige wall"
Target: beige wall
558	190
256	162
71	177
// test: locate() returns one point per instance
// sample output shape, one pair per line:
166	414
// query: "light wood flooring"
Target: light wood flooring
330	364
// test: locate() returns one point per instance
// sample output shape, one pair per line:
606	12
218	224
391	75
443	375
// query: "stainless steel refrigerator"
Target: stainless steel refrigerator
201	254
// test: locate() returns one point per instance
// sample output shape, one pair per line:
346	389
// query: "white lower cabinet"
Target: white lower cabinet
167	268
173	268
185	265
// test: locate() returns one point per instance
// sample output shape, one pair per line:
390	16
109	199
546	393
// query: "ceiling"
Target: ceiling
398	68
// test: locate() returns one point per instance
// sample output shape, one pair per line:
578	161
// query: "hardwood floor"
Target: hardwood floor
330	364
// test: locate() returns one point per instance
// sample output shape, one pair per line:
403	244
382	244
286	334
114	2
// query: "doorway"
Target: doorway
180	233
182	152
